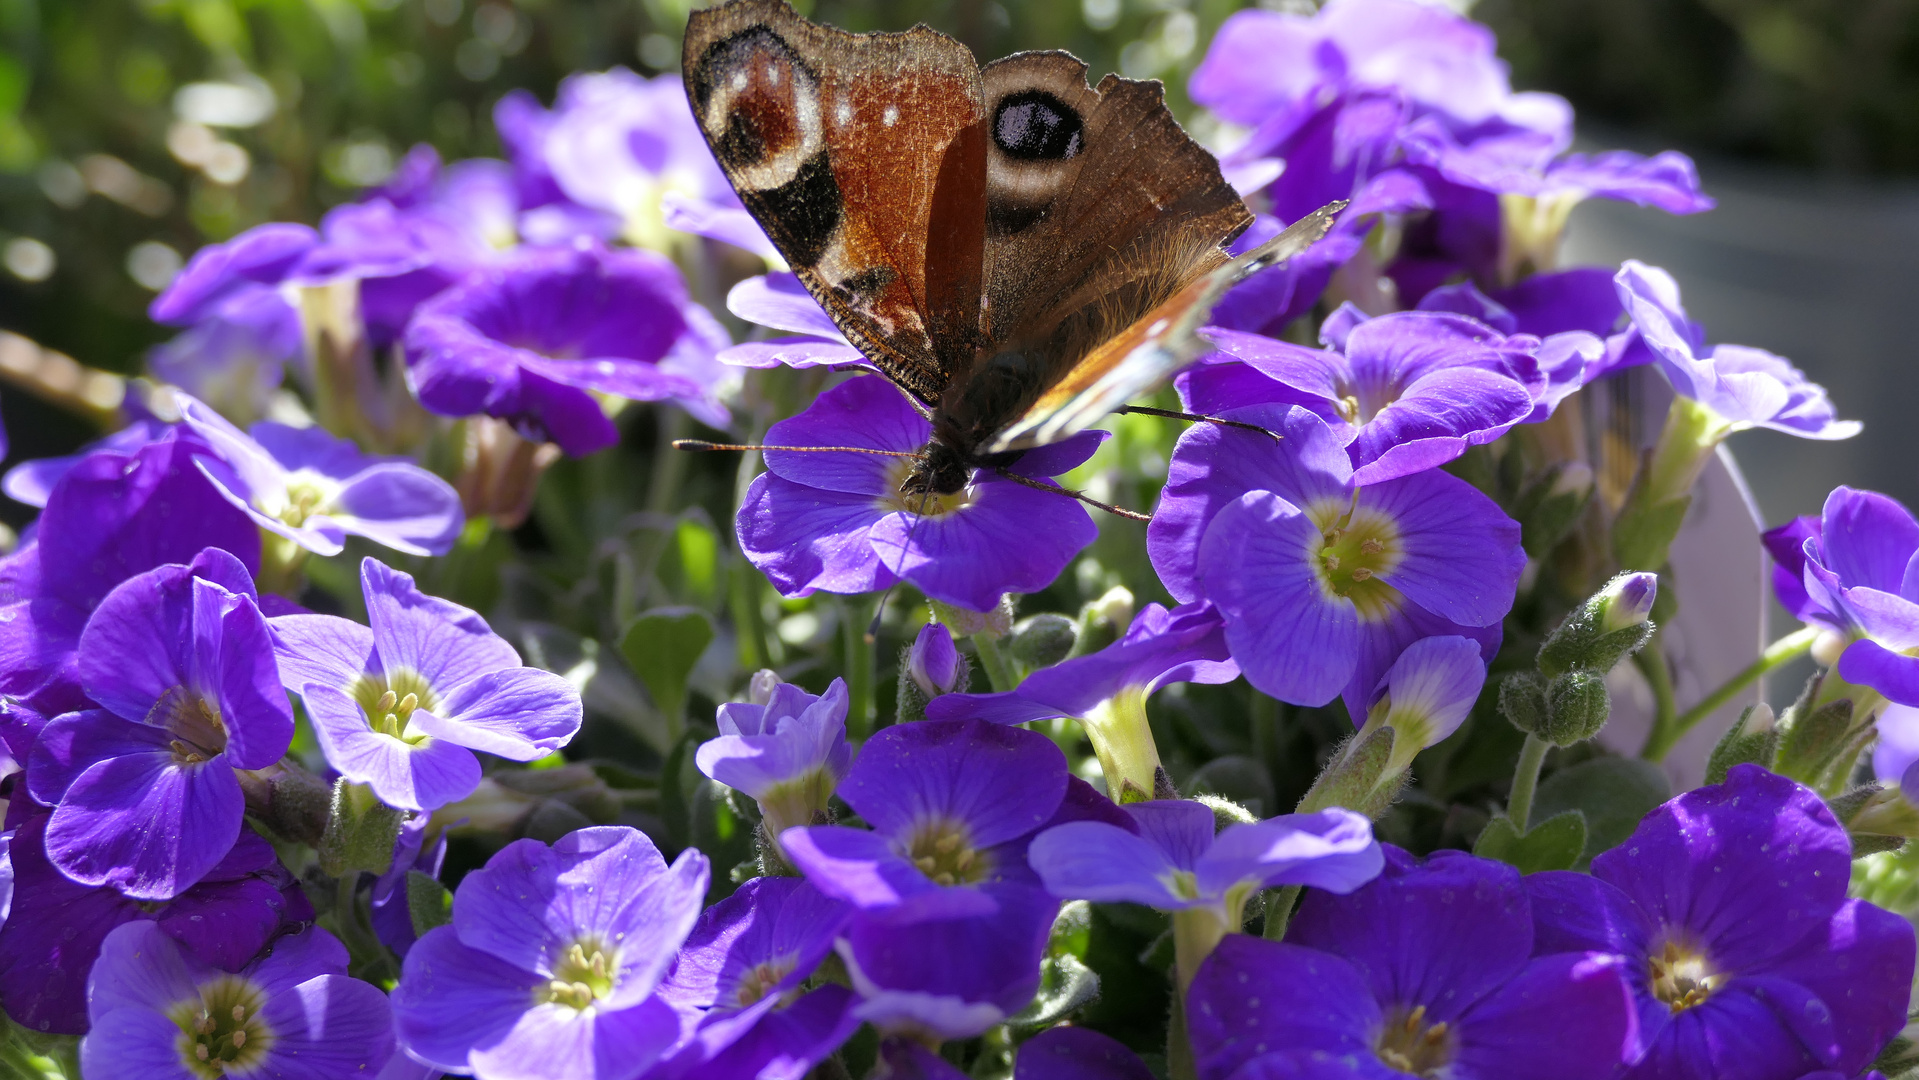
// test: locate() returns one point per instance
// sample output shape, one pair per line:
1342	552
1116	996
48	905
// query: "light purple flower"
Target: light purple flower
838	521
1744	386
235	357
933	662
1175	862
532	341
1729	906
1429	970
1322	583
157	1012
314	488
779	301
549	966
1405	392
739	980
52	933
951	804
259	256
1427	693
402	705
143	788
787	753
388	910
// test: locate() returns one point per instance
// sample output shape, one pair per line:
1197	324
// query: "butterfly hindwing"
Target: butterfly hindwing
864	158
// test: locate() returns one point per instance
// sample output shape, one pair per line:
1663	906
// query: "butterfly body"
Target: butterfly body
1018	251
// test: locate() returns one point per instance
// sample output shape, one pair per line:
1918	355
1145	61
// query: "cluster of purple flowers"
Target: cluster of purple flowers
235	771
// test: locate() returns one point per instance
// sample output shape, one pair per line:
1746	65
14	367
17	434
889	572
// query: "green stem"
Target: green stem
756	647
1279	910
1122	739
855	615
999	672
669	465
1651	662
1519	805
1787	649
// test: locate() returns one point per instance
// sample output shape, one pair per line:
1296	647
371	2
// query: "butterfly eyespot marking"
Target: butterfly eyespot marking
1033	125
764	102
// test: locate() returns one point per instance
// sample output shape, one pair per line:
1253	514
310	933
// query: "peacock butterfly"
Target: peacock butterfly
1018	251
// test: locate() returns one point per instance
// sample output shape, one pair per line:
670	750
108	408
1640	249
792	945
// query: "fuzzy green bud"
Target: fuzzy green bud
1522	699
1041	640
1577	706
1611	625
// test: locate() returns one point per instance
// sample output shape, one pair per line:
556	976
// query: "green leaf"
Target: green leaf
699	551
1613	793
678	778
721	831
661	646
1554	844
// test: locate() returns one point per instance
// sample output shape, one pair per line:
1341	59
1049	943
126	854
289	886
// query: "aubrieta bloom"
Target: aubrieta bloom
533	341
1744	387
787	752
839	522
158	1012
739	976
1107	690
1405	392
1424	697
1077	1053
1430	971
402	705
779	301
548	969
1845	573
933	662
1729	906
143	788
1322	582
55	925
236	357
315	488
951	804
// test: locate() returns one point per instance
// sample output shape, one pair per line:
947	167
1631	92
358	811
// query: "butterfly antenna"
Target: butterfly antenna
1038	485
1197	418
701	445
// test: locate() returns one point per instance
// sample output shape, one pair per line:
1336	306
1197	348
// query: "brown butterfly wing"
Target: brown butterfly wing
864	158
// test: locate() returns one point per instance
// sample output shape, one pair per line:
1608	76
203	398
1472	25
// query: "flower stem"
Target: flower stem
1519	805
999	673
1123	742
1651	662
1787	649
855	614
756	649
1279	910
1656	506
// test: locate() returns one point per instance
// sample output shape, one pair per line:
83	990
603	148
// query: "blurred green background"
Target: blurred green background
134	131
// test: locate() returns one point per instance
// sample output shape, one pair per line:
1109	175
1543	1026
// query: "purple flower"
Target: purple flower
781	302
1405	392
838	521
1322	582
143	789
1745	387
787	753
549	966
1429	970
951	804
31	483
158	1012
55	926
1845	573
402	705
1729	906
1107	690
1424	697
1077	1053
933	662
314	488
389	912
532	340
110	516
235	357
952	977
264	255
1174	862
738	979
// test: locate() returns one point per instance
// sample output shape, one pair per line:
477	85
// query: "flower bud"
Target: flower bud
1042	640
1612	624
759	689
933	663
965	622
1814	740
359	832
1577	706
1522	698
1104	621
1627	601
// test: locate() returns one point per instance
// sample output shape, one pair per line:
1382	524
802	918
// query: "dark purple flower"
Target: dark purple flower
951	804
1743	386
402	705
949	977
389	912
110	516
1430	970
1107	690
838	521
1077	1053
532	340
143	788
738	980
55	926
1405	392
1845	573
549	967
1322	583
933	662
315	488
1729	906
158	1012
787	752
31	482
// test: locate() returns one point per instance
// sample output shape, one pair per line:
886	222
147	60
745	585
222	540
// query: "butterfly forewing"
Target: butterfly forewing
864	158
